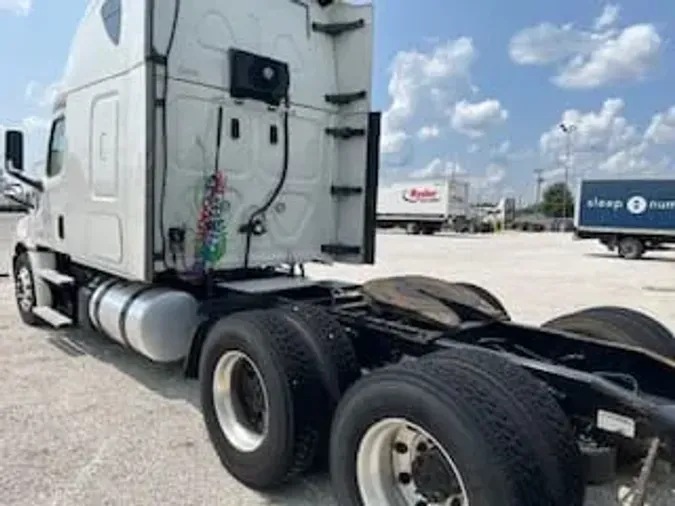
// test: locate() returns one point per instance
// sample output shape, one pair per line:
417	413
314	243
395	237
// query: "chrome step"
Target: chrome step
52	316
55	277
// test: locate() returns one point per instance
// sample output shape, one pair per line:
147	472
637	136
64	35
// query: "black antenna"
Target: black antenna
219	137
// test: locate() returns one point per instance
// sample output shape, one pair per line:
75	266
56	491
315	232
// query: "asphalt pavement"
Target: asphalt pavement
85	422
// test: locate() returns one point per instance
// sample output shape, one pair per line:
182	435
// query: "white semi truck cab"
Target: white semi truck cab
201	138
201	153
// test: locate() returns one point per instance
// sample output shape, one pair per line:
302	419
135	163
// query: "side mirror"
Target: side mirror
14	150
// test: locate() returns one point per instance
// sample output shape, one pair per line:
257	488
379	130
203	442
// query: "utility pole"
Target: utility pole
568	130
539	181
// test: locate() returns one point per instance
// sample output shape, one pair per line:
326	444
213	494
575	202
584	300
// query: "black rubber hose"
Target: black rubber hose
165	147
277	190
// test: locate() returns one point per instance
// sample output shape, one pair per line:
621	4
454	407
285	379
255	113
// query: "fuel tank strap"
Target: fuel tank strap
99	294
122	323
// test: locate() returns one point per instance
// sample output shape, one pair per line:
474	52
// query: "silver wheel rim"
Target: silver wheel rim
229	401
24	289
385	467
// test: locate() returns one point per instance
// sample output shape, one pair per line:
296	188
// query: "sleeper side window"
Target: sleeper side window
57	148
111	12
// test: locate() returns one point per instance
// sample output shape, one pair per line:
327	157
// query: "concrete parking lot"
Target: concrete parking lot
83	422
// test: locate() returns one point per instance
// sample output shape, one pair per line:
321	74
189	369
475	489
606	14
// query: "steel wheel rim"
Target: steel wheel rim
381	464
24	289
228	400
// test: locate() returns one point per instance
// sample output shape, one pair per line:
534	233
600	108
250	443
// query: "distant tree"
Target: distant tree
553	202
531	209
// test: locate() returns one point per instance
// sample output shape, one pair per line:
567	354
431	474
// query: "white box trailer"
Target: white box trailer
422	206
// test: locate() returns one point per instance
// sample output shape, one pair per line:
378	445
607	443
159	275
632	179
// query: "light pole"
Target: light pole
539	181
568	130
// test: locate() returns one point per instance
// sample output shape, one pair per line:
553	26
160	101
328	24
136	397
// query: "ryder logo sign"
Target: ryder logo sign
421	194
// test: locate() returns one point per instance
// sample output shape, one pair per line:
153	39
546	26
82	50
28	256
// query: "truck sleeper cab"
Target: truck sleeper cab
201	153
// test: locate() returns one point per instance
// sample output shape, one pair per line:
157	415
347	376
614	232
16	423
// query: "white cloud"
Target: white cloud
503	149
486	183
602	142
417	77
473	119
494	174
631	160
428	132
662	128
29	125
41	95
609	16
627	57
20	7
438	168
33	124
392	140
473	148
489	184
546	43
589	58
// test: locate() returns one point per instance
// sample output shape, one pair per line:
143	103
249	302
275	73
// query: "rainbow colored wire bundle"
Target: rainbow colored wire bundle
210	239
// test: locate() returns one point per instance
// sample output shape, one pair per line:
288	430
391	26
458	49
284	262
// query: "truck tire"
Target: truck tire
261	396
24	290
624	326
487	296
331	346
615	325
631	248
541	416
412	229
647	332
333	351
425	432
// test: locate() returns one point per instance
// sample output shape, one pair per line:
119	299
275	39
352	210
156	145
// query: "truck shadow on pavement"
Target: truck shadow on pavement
613	256
169	382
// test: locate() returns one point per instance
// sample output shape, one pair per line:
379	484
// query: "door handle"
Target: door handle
61	227
101	147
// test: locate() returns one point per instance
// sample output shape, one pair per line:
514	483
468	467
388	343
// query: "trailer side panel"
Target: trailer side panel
638	206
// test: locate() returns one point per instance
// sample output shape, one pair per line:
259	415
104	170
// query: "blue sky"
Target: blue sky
476	88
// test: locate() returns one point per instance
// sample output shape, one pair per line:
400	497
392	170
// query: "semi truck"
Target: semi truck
203	153
422	206
629	216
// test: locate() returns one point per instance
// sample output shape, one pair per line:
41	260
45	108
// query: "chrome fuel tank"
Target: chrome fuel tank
155	321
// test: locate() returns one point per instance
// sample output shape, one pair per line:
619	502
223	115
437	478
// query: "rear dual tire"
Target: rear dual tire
498	436
622	326
618	325
269	383
475	425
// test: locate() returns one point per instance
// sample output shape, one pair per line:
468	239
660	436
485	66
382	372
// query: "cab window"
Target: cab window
57	148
